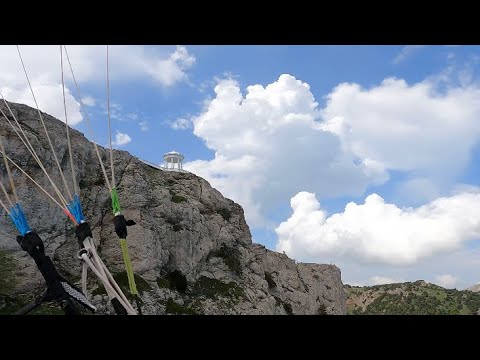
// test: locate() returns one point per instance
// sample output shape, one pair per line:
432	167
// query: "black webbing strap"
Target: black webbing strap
33	245
119	309
83	231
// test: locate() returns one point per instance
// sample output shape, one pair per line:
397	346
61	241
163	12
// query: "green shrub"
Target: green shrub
121	279
178	198
231	257
322	310
226	213
7	272
213	289
174	280
173	308
163	283
177	281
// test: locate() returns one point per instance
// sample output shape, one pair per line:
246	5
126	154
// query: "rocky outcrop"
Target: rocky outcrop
474	288
191	249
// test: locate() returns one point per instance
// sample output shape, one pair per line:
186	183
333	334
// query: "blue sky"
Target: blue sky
315	126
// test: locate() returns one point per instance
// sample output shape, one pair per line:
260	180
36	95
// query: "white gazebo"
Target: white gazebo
173	160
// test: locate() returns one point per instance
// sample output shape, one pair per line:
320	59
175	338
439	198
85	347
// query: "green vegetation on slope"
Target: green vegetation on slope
121	278
178	198
7	272
226	213
212	288
417	298
231	256
173	308
174	280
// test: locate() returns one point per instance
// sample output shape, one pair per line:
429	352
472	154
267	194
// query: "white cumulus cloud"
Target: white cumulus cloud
403	127
162	65
380	280
89	101
181	124
446	280
144	126
270	136
49	98
406	52
172	70
378	232
277	137
121	139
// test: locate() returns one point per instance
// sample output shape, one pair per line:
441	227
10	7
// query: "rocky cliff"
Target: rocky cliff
191	249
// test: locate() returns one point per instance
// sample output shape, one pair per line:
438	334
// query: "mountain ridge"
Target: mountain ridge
410	298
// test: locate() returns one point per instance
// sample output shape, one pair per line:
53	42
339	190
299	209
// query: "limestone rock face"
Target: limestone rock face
191	248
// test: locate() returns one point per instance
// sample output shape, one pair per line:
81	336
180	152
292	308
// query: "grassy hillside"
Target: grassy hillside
417	298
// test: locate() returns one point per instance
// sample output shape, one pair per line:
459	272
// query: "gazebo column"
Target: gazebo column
173	161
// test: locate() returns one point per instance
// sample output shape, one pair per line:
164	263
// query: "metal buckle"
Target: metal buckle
82	252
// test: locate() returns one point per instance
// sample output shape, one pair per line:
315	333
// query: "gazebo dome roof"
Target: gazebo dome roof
173	153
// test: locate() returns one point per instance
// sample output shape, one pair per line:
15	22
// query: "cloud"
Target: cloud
417	191
116	112
132	116
271	137
277	136
121	139
378	232
172	70
410	128
181	124
447	281
381	280
406	52
162	65
49	98
144	126
89	101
